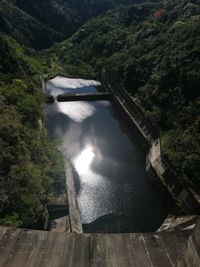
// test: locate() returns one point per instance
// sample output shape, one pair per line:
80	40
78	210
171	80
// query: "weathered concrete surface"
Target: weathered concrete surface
61	225
74	213
32	248
190	257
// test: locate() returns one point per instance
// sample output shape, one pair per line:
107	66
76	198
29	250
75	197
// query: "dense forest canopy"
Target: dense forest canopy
152	49
38	24
31	169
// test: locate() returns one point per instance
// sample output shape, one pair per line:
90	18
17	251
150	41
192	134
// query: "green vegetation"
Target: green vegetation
153	50
24	28
38	24
31	170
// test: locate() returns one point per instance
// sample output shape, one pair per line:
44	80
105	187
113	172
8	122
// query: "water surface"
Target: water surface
113	192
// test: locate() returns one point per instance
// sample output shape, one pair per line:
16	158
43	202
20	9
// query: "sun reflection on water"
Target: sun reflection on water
83	161
77	111
83	165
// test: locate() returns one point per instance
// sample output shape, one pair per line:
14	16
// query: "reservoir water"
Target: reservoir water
113	191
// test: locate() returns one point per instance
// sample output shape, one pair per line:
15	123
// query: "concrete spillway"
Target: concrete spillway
28	248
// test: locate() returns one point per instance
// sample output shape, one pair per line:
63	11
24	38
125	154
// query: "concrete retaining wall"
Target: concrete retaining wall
136	131
158	168
74	213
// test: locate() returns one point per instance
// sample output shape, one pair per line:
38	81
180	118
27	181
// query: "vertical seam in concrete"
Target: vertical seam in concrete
166	252
146	249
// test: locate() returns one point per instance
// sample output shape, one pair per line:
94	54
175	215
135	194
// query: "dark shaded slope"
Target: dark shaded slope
54	14
24	28
39	24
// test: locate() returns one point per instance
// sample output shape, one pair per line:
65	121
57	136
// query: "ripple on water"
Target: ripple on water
112	187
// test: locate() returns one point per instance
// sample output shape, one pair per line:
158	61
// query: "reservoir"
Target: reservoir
113	192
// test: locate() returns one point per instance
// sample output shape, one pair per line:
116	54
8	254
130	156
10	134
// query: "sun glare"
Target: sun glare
83	161
77	111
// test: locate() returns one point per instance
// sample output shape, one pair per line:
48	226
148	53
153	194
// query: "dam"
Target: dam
174	244
114	194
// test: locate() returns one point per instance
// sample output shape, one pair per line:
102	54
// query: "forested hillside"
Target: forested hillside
153	50
24	28
150	49
31	170
38	24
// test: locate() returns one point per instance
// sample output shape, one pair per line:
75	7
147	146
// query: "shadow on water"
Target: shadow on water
116	223
111	223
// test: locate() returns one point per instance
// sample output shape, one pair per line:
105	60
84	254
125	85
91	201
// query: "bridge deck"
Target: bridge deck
19	247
